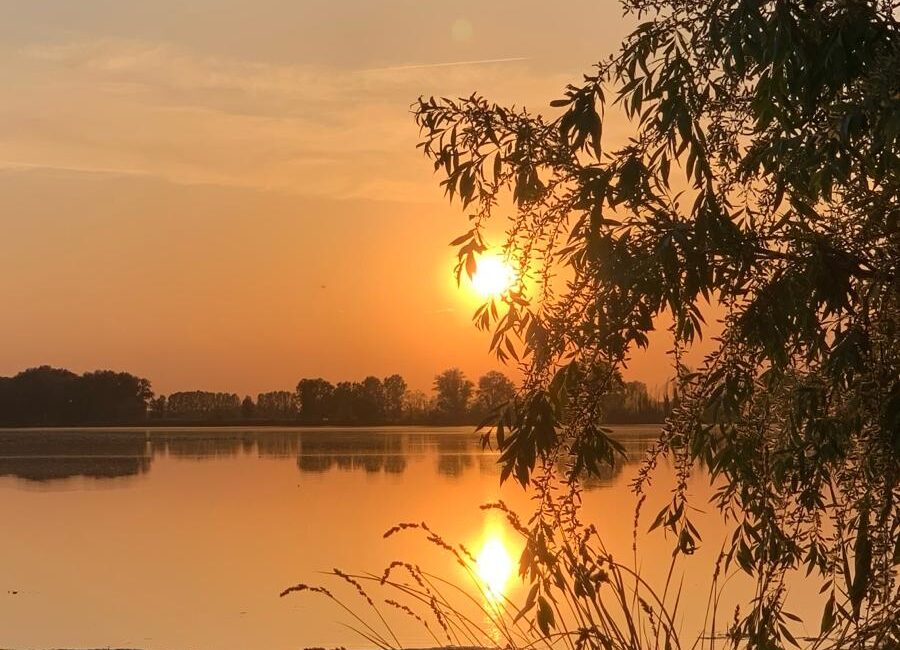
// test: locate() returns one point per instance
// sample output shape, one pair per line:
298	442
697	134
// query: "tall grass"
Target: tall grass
580	597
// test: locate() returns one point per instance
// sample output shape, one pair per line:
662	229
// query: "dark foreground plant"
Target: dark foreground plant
760	184
579	595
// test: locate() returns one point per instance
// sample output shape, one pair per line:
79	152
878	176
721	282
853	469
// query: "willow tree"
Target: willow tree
760	175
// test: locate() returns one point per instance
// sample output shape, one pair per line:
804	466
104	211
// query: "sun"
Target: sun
494	567
493	277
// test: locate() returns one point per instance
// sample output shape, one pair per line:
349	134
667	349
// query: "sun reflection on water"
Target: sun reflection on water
494	566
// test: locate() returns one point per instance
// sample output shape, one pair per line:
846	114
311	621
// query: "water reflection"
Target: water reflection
57	455
494	565
52	455
455	454
349	451
216	522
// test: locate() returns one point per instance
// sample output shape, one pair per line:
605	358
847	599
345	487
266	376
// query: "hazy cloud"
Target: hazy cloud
130	106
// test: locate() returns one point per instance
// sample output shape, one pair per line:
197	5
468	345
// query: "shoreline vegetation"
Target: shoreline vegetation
47	397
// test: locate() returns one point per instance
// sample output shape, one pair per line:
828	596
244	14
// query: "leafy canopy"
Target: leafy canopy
761	174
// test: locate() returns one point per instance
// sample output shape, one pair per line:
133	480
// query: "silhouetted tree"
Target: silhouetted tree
107	397
631	402
41	396
394	391
369	402
277	405
453	391
494	389
315	397
199	406
48	396
156	408
55	397
248	408
416	407
343	402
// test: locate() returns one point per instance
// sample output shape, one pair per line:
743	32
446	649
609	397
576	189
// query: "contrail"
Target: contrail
448	64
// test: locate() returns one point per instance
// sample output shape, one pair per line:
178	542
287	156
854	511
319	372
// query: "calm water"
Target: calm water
183	538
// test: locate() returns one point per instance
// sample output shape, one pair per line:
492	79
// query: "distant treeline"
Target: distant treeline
46	397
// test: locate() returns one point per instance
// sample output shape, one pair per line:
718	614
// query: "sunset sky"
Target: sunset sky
227	195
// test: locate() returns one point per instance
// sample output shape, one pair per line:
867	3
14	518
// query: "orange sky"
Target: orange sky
227	195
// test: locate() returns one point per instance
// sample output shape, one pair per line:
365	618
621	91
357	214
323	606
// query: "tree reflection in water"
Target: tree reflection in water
50	455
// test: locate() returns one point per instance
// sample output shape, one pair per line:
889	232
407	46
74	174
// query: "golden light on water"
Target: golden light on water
493	277
494	566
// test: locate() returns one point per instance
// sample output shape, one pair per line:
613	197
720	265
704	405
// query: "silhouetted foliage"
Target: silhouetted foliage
111	397
394	391
762	174
248	408
416	407
53	397
369	400
157	407
49	397
340	408
494	390
631	403
201	405
315	398
453	393
276	405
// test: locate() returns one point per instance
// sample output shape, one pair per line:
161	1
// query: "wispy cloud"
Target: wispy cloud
138	107
16	165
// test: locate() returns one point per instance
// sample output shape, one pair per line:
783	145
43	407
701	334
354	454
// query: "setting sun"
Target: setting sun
493	276
494	567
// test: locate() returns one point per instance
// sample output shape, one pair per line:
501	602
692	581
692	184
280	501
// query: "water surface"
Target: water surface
183	538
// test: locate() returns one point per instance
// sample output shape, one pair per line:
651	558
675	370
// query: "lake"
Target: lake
183	538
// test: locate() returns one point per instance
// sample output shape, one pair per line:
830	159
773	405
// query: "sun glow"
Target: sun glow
494	567
493	277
